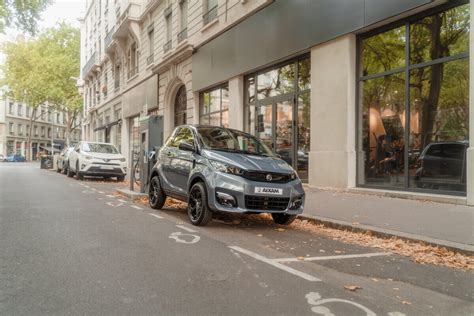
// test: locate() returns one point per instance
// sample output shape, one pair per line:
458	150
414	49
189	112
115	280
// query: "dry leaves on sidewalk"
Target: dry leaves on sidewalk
418	251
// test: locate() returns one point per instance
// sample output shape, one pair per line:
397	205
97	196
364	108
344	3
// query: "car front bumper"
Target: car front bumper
103	169
288	197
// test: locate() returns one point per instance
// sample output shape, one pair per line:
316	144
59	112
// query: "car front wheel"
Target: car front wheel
283	219
69	172
79	175
198	210
156	197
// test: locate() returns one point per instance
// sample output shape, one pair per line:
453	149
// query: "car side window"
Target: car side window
184	135
170	140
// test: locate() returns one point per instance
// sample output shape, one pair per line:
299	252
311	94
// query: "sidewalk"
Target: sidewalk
436	223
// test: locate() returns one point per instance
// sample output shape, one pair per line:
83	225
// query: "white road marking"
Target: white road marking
101	192
321	258
186	229
87	192
314	298
176	236
87	186
123	201
155	215
110	196
114	204
275	264
136	207
94	189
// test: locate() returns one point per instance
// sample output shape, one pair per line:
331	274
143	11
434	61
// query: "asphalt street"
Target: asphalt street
74	247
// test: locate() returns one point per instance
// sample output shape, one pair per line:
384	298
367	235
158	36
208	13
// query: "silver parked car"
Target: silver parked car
63	159
220	169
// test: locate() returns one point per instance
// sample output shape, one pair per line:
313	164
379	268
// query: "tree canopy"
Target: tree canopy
23	14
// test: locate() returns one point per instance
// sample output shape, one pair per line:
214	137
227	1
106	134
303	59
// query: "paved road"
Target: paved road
72	247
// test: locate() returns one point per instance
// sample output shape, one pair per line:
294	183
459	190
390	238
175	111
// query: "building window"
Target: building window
169	31
11	128
43	131
132	61
20	110
27	130
183	19
210	9
180	107
20	129
151	45
27	110
35	130
214	107
413	116
49	132
58	116
11	108
278	111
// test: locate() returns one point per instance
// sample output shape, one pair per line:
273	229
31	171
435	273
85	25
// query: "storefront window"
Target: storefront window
280	115
214	107
416	141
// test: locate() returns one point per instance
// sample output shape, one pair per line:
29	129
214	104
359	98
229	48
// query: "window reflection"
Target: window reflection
276	82
383	130
439	108
440	35
214	106
304	133
383	52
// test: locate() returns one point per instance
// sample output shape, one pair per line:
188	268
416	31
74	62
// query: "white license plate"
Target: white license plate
272	191
107	167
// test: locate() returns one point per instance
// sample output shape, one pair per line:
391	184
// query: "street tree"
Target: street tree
21	14
38	72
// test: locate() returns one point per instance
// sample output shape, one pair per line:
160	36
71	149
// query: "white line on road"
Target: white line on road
155	215
186	229
123	201
136	207
101	192
275	264
362	255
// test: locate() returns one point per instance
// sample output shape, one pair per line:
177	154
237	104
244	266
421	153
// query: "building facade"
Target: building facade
354	94
15	123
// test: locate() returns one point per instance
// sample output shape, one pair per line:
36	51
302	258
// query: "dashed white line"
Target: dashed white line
186	228
110	196
321	258
155	215
275	264
101	192
136	207
123	201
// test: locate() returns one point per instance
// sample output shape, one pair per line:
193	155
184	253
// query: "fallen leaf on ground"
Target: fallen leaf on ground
280	229
301	258
352	287
406	302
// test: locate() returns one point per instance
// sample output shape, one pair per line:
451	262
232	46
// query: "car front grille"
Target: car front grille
104	171
260	176
266	203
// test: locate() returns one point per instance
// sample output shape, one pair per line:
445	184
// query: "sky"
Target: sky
60	10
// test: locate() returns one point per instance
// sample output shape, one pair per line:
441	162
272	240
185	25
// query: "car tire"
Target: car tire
79	175
69	173
156	196
198	210
283	219
65	168
119	178
58	170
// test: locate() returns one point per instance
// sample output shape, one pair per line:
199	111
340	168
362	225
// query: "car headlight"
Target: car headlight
122	159
223	167
294	175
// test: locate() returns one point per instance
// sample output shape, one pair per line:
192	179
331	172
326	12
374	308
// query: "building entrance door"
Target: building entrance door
274	124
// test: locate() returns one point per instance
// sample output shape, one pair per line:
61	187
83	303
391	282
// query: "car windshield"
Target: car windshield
99	148
223	139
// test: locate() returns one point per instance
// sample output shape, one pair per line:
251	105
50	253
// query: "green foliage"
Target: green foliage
23	14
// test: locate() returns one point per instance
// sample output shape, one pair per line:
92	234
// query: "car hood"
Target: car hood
250	162
104	156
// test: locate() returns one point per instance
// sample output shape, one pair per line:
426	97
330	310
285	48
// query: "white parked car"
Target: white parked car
96	159
2	157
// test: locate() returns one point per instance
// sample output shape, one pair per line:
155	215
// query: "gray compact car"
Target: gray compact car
220	169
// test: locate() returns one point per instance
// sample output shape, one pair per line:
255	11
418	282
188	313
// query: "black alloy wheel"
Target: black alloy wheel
283	219
198	210
79	175
156	197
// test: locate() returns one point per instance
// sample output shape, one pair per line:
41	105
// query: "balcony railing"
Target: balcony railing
167	46
91	62
210	15
183	35
132	72
150	59
109	37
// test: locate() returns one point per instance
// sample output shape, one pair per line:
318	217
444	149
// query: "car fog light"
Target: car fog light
83	166
296	203
226	199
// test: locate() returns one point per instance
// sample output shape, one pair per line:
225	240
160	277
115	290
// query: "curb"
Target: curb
130	194
386	233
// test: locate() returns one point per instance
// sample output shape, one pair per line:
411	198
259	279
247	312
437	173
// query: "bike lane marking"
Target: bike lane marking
275	264
155	215
321	258
186	229
136	207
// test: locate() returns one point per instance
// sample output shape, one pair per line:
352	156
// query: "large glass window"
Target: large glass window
278	111
414	118
214	107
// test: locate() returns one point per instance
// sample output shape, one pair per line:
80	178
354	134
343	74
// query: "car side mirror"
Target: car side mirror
186	146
